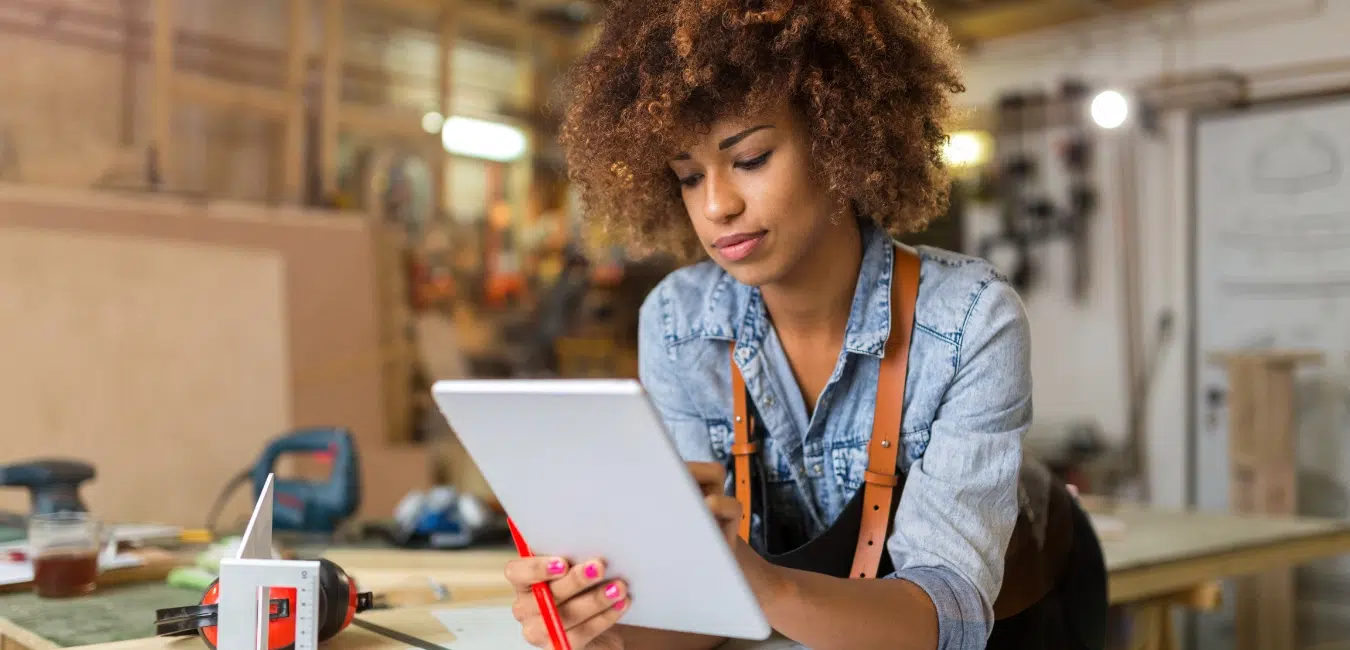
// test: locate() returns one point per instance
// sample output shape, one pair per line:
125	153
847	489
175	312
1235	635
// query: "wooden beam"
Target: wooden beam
331	96
373	121
1019	16
227	94
521	173
471	15
161	108
293	145
440	165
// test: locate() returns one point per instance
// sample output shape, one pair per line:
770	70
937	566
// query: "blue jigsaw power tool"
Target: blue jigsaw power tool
302	505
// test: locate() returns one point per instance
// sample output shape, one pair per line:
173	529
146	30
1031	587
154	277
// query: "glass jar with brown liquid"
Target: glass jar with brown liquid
64	550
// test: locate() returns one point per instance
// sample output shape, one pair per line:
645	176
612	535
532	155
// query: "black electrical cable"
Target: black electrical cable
239	479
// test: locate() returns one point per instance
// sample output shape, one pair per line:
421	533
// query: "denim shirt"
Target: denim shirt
967	406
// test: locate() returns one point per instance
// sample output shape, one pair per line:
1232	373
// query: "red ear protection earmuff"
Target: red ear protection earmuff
338	603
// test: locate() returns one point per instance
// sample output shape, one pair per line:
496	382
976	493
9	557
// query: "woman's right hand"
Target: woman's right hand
588	603
725	509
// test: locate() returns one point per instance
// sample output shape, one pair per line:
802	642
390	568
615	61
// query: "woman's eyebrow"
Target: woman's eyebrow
732	140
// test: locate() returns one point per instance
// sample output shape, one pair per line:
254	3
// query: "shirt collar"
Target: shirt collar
735	311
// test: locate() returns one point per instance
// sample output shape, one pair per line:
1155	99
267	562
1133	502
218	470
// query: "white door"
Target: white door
1272	235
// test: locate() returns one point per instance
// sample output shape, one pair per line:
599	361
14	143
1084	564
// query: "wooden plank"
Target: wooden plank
156	565
1262	436
467	575
1163	551
440	162
477	16
987	21
1145	581
373	121
325	302
13	637
1293	357
161	107
1156	536
123	313
386	558
293	144
330	98
227	94
419	622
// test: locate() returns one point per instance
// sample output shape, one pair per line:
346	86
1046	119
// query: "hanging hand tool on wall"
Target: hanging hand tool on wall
1030	216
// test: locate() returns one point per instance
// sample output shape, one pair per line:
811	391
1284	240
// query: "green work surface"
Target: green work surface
109	614
11	534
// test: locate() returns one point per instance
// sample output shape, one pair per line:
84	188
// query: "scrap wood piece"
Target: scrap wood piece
155	566
15	637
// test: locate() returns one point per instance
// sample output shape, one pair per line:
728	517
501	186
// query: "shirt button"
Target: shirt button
768	401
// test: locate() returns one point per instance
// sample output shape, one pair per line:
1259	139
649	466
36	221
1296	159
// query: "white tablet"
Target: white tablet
585	468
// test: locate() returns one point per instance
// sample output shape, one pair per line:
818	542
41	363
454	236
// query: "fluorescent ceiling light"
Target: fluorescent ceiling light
475	138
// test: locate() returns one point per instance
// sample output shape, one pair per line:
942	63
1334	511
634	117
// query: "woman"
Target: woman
853	408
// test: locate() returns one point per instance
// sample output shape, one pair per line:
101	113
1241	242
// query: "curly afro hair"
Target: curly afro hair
871	79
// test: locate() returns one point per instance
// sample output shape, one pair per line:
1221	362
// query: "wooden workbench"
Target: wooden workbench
467	577
1163	551
1163	559
417	621
1167	559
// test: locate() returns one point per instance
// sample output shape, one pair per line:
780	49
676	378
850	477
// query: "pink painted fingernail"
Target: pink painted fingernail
592	571
612	591
556	567
620	605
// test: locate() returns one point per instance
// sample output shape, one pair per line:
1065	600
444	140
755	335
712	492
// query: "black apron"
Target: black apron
1054	590
1071	617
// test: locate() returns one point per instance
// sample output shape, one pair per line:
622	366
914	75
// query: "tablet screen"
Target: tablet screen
586	469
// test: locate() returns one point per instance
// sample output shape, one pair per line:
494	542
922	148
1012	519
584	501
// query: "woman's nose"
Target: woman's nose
722	201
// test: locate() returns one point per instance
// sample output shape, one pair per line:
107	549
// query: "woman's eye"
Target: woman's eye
691	180
756	162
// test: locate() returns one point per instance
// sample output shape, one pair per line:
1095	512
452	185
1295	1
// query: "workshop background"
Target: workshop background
225	223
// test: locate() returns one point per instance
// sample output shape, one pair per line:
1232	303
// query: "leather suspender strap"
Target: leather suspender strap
882	475
742	448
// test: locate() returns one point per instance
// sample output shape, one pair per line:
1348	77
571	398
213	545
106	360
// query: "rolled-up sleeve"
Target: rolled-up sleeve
960	501
660	378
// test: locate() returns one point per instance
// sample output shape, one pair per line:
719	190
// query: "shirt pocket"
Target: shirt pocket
849	459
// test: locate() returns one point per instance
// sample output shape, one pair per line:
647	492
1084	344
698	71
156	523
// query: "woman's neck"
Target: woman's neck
815	299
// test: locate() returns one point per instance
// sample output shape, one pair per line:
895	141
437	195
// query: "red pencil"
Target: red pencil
544	596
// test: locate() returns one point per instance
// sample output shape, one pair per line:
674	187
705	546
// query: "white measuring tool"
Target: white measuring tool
244	603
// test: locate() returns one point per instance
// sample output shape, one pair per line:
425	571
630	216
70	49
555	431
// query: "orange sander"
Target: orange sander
339	601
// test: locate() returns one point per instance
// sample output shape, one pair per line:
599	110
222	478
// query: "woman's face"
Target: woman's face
748	191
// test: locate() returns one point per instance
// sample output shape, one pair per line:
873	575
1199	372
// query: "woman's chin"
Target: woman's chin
755	274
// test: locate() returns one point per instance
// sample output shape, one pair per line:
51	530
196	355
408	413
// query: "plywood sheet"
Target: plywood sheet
162	363
325	314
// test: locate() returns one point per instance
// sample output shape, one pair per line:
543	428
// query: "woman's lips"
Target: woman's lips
738	246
